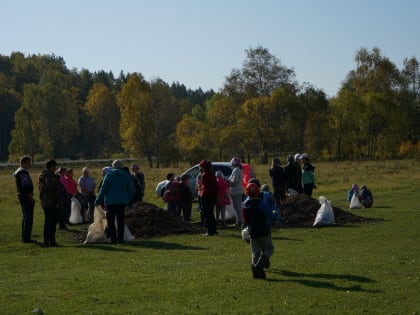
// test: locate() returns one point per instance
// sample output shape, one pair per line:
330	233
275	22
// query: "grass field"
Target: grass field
359	269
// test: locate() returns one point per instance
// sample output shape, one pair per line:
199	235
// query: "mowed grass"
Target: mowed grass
358	269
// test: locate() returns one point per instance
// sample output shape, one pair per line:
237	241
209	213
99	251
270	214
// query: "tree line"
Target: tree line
261	111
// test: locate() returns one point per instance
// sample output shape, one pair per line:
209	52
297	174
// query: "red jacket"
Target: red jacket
208	185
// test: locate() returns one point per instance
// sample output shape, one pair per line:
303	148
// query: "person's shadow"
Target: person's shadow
324	280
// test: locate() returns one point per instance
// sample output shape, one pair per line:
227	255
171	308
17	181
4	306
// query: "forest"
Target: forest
260	111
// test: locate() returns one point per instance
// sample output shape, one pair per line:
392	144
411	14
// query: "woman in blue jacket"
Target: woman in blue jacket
116	194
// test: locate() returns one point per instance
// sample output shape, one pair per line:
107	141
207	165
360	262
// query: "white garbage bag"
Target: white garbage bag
96	231
355	202
76	211
230	210
325	214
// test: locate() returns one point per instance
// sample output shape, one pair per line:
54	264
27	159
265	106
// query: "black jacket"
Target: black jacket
24	184
255	218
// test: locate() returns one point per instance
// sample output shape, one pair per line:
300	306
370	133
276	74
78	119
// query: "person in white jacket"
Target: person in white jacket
236	189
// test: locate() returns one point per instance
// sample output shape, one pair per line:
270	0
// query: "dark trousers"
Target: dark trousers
27	204
279	195
113	211
208	213
50	222
307	189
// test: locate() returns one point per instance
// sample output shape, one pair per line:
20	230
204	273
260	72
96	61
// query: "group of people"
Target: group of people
364	195
118	189
295	178
178	196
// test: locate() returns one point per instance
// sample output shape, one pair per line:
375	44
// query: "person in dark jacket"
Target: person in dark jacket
208	195
278	181
254	216
116	193
25	190
50	194
366	197
293	174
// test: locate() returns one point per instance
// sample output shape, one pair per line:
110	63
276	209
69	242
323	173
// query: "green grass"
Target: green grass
358	269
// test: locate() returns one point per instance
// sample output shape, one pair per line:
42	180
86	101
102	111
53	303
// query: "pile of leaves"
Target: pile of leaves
301	210
147	220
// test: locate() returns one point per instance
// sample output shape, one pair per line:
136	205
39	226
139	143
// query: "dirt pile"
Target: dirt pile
147	220
301	210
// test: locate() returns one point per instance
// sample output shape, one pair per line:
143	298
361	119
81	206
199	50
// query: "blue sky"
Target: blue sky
198	43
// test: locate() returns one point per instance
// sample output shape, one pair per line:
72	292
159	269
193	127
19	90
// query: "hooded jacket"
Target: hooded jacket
117	188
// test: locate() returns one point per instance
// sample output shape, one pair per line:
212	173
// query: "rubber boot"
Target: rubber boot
263	262
258	273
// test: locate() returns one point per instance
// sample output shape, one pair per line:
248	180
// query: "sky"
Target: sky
197	43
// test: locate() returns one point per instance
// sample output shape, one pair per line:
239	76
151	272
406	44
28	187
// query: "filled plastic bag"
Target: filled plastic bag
355	202
230	210
76	211
245	235
325	214
96	231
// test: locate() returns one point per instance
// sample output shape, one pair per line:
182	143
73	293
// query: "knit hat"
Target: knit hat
252	190
235	162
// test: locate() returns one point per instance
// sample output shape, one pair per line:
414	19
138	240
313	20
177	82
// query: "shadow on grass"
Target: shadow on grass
144	243
163	245
302	278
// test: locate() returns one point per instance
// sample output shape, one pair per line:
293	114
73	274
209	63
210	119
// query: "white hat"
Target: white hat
304	156
297	156
117	164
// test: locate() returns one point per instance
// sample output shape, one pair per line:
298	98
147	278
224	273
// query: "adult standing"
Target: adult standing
139	182
116	194
25	190
50	193
236	189
64	216
293	175
278	181
87	189
208	195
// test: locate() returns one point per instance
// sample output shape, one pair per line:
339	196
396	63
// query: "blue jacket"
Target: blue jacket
117	188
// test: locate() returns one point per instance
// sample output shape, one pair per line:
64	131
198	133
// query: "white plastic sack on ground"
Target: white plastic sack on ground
76	211
355	202
230	210
96	231
325	214
127	233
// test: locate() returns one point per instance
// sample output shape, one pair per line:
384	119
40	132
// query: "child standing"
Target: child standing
171	195
308	177
259	230
222	198
185	204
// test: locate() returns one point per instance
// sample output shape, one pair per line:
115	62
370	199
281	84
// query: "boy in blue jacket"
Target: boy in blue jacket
255	217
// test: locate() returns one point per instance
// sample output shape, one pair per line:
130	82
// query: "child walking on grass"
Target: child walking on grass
254	217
